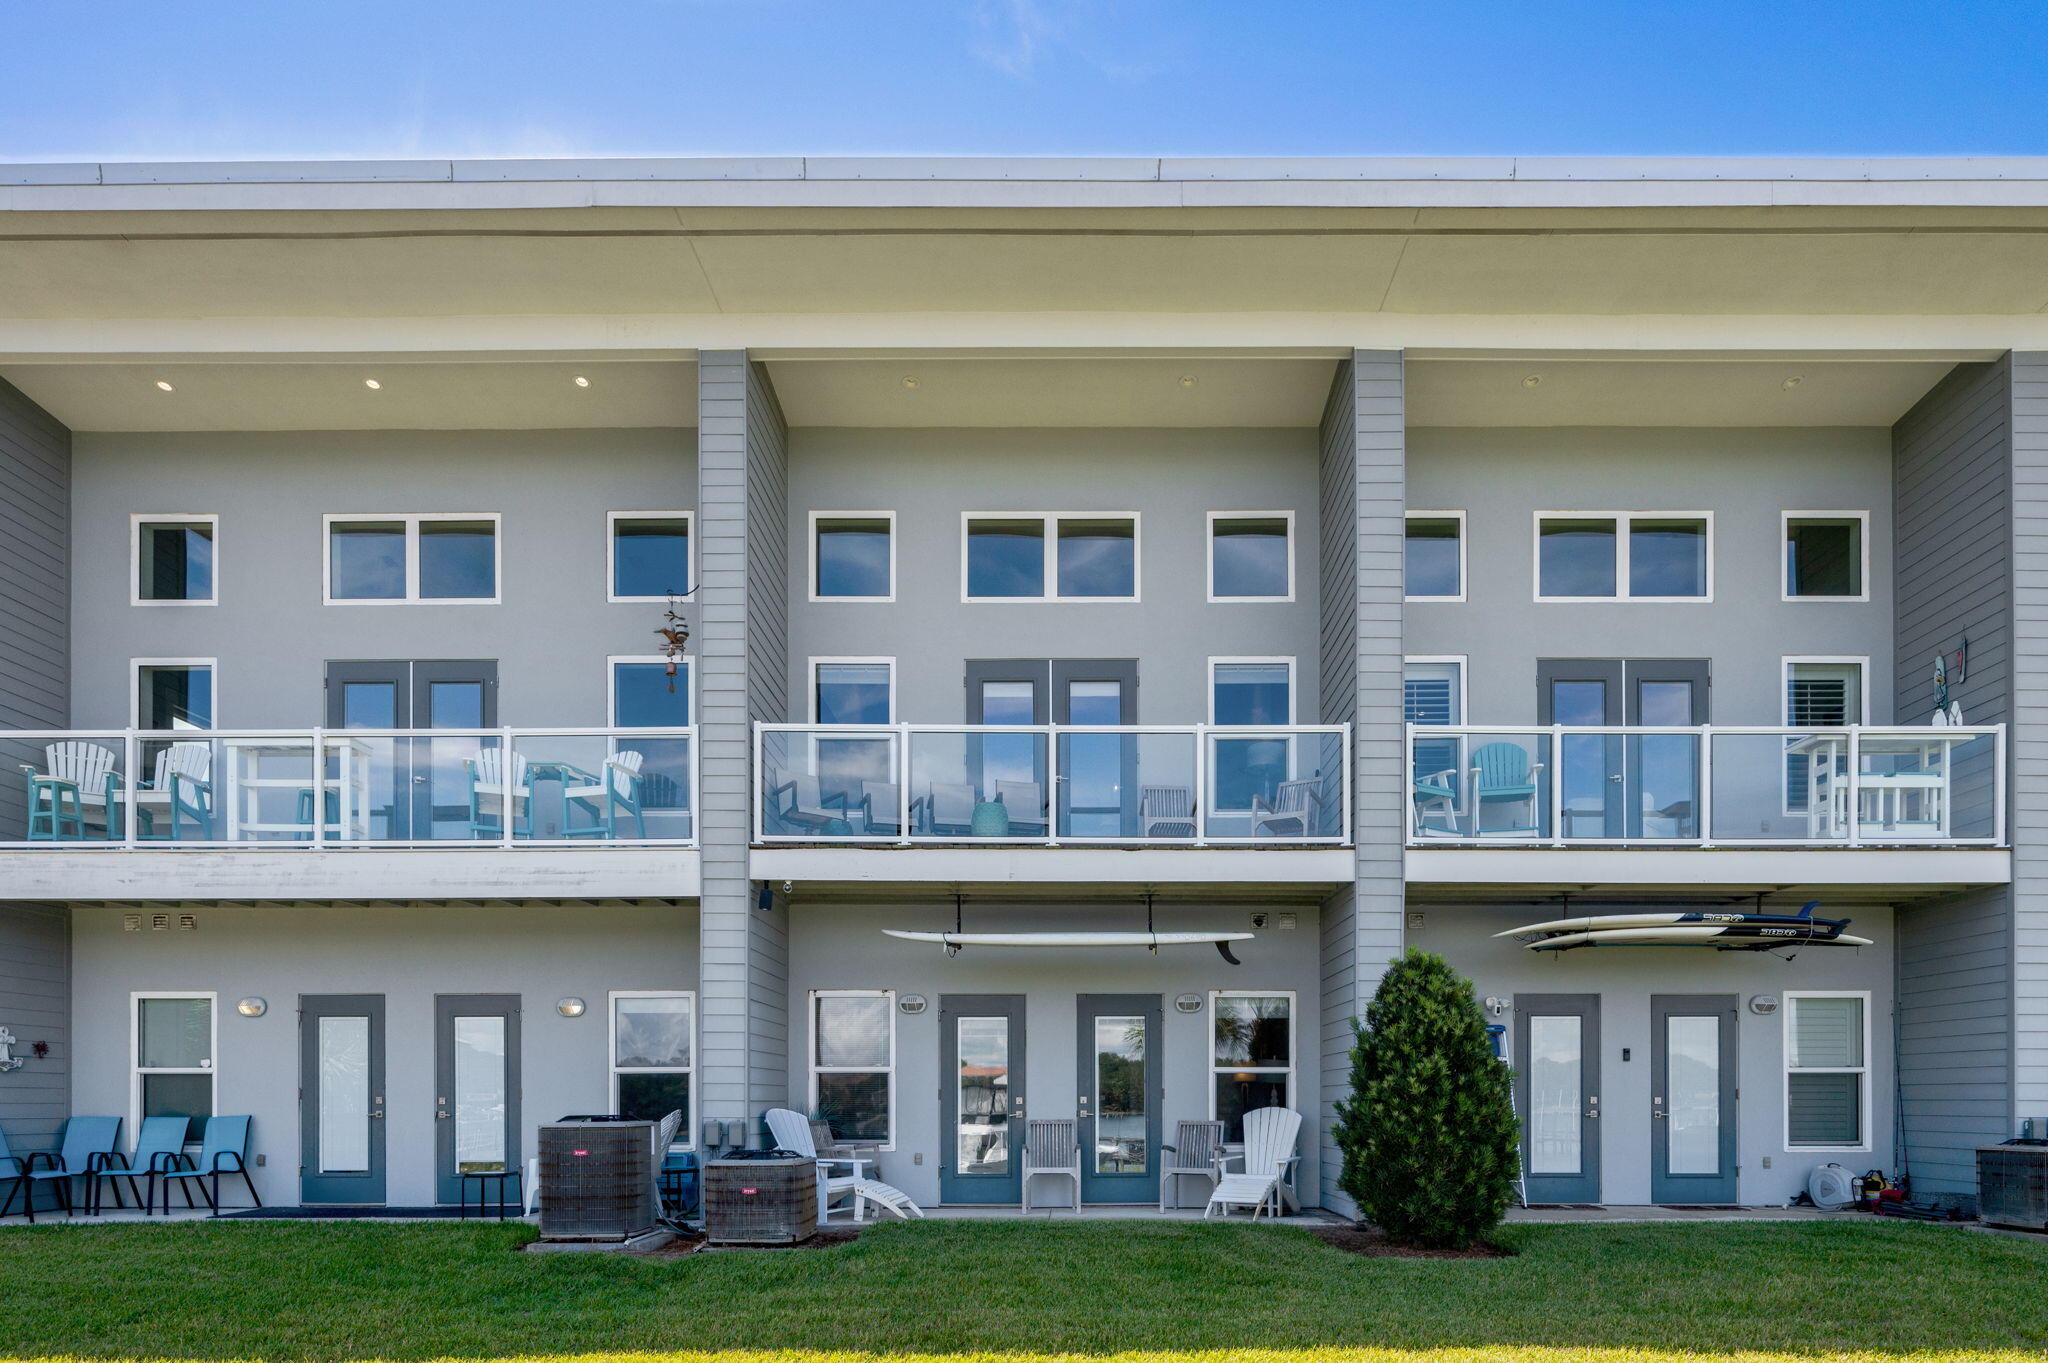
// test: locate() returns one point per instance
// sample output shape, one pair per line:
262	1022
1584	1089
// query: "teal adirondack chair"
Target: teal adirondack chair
89	1142
225	1150
1502	774
161	1141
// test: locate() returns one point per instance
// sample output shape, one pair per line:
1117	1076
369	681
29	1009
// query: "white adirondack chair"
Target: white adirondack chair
1269	1160
792	1131
182	789
615	791
88	770
1050	1147
487	773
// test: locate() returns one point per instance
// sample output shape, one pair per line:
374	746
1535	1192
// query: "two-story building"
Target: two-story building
1299	560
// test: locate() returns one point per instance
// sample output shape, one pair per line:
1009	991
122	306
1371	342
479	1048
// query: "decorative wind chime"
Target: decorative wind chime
675	638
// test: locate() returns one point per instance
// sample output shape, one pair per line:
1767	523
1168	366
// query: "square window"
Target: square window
653	1055
1667	557
174	559
853	557
644	696
458	560
366	560
853	692
1098	558
1824	556
1253	693
1251	557
174	695
650	556
1435	560
1005	559
1576	558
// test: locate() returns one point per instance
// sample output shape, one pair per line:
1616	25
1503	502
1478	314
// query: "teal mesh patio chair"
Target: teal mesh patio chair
225	1150
1502	774
161	1141
15	1179
88	1144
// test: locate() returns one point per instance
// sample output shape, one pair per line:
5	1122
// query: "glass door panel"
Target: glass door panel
341	1099
1692	1105
476	1107
1119	1097
982	1104
1557	1091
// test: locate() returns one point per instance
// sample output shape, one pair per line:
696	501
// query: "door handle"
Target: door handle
443	1114
377	1114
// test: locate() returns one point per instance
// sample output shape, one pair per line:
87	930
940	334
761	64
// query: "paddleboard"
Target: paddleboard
1697	934
1068	939
1601	922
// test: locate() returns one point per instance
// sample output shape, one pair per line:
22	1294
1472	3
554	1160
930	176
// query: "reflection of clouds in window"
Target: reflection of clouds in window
1005	558
1248	556
653	1032
1097	558
853	1030
853	556
1577	558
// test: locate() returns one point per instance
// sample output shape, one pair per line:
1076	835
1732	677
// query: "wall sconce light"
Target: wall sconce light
569	1008
252	1007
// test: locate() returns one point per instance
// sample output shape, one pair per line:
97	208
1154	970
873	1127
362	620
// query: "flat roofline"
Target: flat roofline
1091	181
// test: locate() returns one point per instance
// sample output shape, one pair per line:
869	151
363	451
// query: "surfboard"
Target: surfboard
1698	934
1601	922
1068	939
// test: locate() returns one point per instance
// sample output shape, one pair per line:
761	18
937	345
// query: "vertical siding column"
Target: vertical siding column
35	693
1364	498
2028	806
740	642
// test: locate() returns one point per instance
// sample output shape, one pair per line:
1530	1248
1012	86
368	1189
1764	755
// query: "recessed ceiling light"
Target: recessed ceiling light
582	382
909	381
1187	380
371	383
1789	384
1532	381
164	384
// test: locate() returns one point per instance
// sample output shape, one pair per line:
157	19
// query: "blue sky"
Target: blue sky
93	79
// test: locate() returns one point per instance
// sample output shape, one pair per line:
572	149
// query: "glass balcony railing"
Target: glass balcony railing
906	783
336	788
1854	786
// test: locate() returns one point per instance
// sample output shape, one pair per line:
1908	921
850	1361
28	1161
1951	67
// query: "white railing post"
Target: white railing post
1201	785
1557	835
131	774
320	791
760	775
1855	810
1703	772
903	784
1052	785
1344	759
1997	785
507	774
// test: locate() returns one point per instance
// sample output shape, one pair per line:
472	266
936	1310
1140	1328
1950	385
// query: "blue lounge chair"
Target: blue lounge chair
89	1142
15	1178
1503	774
161	1141
224	1151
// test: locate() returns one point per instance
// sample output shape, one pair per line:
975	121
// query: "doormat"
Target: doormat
1564	1207
354	1214
1700	1206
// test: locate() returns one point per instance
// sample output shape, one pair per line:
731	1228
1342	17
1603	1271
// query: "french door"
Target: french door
1096	794
476	1086
1626	786
1557	1095
1119	1097
341	1099
981	1099
419	787
1693	1095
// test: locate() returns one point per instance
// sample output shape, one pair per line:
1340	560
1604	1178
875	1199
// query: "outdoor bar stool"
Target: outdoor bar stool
497	1179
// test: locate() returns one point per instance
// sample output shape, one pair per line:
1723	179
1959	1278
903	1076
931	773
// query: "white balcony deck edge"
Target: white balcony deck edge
454	873
1059	865
1708	866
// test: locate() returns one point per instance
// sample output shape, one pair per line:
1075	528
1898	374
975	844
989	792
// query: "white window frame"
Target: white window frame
135	666
1293	688
1293	1071
1791	998
1464	567
412	521
1049	542
611	555
135	1070
811	556
1785	519
1462	661
811	683
611	686
814	1069
135	524
1209	563
1861	662
1623	520
687	1139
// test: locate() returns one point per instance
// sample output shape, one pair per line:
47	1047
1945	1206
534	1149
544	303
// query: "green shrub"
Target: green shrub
1428	1133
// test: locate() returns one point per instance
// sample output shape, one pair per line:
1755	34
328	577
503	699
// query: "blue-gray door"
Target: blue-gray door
1693	1097
476	1088
419	787
981	1101
1119	1097
1634	786
341	1099
1557	1095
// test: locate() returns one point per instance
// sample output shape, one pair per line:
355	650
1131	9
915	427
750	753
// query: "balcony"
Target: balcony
1719	786
213	813
1098	794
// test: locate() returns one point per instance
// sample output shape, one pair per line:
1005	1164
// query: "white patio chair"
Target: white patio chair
1024	802
1296	811
1196	1152
792	1131
1166	812
181	789
1266	1182
487	772
79	775
615	791
1050	1147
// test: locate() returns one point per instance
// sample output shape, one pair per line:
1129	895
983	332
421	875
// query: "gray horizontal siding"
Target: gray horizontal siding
35	580
35	1004
2029	680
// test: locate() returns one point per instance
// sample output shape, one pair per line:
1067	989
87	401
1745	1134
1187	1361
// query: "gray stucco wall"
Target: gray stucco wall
270	632
35	1004
408	954
1171	478
740	641
1500	477
839	945
1952	480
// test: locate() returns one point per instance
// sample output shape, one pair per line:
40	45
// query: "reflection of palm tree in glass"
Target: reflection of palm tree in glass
1120	1125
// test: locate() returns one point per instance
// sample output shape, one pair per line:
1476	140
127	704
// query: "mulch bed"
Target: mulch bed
1374	1244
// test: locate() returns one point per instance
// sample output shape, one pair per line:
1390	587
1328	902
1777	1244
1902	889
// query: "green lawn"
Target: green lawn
1023	1291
